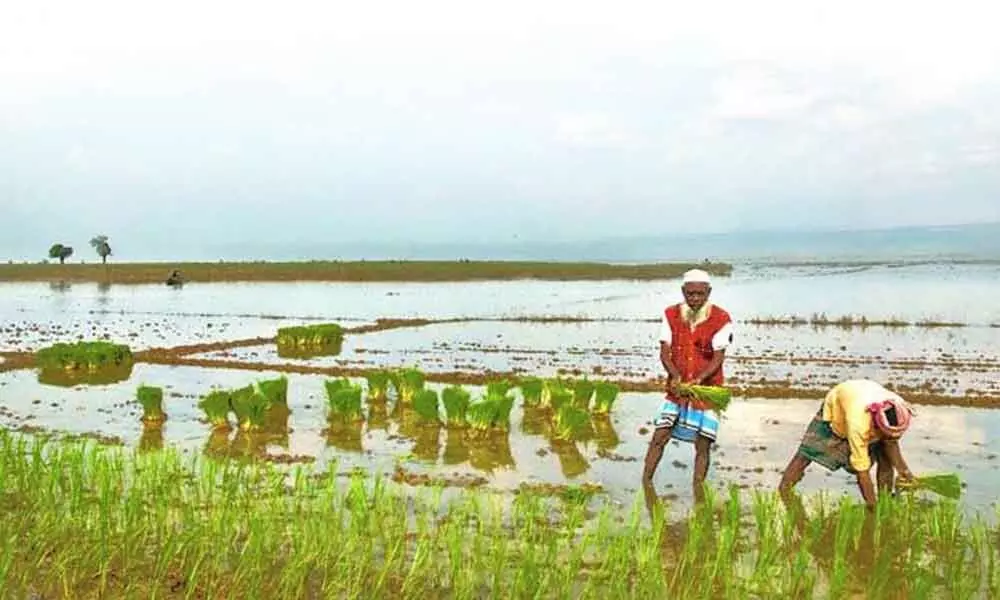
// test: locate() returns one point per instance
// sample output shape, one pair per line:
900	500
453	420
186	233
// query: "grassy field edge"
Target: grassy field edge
389	270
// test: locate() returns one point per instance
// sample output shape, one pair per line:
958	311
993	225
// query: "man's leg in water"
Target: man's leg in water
702	459
655	452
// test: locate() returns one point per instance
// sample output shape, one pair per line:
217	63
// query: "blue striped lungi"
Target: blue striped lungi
688	422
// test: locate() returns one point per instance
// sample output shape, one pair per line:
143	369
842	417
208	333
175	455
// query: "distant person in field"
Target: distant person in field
694	335
859	423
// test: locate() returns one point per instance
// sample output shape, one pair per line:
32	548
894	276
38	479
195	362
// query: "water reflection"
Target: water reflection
103	295
310	351
604	433
378	416
151	439
572	463
427	443
66	379
456	447
344	435
491	452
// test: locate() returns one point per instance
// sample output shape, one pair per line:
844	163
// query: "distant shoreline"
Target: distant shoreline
349	271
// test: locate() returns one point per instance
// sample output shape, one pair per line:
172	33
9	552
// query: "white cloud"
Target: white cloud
591	130
754	93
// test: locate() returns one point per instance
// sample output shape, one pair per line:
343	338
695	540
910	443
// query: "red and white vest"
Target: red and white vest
691	347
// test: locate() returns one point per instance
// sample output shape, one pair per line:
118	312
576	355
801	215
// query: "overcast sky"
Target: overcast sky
191	120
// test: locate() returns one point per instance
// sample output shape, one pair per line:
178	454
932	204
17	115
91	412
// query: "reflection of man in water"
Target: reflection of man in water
859	422
694	336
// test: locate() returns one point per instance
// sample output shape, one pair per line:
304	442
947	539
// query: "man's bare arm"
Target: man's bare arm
672	371
867	488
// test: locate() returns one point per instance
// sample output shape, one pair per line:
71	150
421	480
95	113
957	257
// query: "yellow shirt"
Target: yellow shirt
846	409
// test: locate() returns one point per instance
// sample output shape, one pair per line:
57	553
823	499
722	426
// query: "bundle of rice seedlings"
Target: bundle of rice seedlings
481	415
569	422
948	485
605	394
411	381
555	393
151	399
501	415
425	404
498	388
216	405
531	390
378	385
456	405
582	391
325	334
275	390
716	396
344	399
87	356
250	408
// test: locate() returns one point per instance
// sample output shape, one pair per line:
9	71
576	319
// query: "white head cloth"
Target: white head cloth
697	276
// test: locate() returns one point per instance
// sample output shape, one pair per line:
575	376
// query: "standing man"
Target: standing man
694	336
859	422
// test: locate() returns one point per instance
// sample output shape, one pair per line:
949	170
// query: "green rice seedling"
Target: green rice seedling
250	409
411	381
275	390
605	394
569	422
151	399
948	485
344	399
501	415
426	404
498	388
83	356
311	335
555	393
531	391
456	404
378	385
216	405
583	390
482	414
77	516
716	396
311	340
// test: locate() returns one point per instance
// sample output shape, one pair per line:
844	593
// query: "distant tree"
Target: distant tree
101	246
61	252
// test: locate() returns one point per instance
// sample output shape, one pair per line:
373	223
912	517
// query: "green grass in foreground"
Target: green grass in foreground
83	521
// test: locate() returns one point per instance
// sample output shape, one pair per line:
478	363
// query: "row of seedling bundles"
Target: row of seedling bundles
89	356
570	403
252	405
489	413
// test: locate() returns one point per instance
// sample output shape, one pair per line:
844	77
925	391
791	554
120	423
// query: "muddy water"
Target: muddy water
758	434
944	360
757	437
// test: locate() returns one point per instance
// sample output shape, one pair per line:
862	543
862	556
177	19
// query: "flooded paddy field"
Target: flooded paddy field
757	437
601	329
944	361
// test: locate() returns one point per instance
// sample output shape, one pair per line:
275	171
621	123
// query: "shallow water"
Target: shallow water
947	360
757	438
758	434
